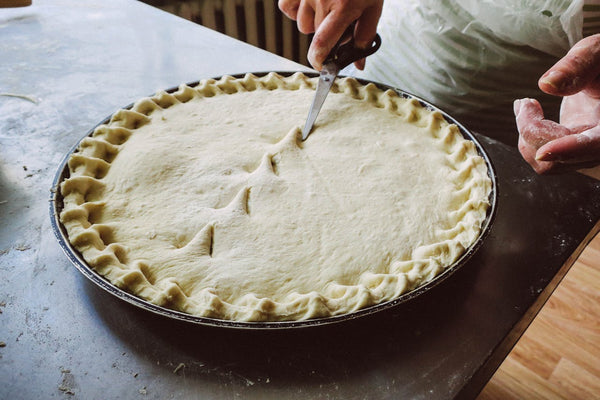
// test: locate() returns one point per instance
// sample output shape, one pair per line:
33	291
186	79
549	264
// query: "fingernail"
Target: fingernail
517	107
544	156
312	59
360	64
557	79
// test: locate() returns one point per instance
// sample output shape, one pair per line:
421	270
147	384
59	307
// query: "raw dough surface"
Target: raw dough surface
208	202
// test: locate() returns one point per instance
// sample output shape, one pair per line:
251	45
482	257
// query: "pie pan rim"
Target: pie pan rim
77	260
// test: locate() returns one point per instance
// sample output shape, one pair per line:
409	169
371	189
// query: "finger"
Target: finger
360	64
326	36
306	18
289	8
321	11
366	25
580	147
532	126
576	70
528	153
579	112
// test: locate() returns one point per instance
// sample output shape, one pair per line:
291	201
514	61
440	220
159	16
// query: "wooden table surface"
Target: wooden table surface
558	357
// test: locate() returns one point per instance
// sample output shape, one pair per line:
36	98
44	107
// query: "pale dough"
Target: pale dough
208	202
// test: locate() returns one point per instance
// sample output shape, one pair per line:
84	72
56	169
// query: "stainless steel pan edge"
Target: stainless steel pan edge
56	205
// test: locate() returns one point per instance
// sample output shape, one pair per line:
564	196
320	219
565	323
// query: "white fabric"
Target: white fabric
474	57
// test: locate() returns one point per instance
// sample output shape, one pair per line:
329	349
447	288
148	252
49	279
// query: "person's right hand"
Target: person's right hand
328	19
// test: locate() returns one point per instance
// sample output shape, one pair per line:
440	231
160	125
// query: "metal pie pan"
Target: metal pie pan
56	206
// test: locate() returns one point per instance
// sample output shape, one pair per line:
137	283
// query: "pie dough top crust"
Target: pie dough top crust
207	201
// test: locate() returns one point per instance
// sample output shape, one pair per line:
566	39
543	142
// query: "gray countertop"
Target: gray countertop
64	67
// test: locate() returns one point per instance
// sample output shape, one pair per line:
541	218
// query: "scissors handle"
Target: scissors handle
345	51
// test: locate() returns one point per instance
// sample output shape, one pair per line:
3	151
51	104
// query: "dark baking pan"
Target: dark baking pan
56	205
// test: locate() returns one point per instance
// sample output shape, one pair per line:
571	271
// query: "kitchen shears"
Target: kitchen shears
343	54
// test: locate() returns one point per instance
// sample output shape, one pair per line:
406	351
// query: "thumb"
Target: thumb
325	38
577	70
580	147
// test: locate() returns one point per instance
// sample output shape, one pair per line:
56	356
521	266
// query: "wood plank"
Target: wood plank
251	17
208	14
567	344
230	14
270	28
536	356
576	382
558	357
515	381
288	28
585	279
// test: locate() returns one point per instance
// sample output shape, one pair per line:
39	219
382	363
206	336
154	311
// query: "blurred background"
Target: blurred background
258	22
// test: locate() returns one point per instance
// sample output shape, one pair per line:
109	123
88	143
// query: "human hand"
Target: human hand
574	143
328	19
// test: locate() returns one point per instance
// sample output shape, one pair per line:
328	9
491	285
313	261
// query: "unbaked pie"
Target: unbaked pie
206	201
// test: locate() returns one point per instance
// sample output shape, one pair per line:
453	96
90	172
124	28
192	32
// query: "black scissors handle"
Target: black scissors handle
345	51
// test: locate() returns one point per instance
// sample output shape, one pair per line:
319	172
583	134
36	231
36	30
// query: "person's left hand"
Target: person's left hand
574	143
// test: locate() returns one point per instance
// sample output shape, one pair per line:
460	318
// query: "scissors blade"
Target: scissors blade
328	74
